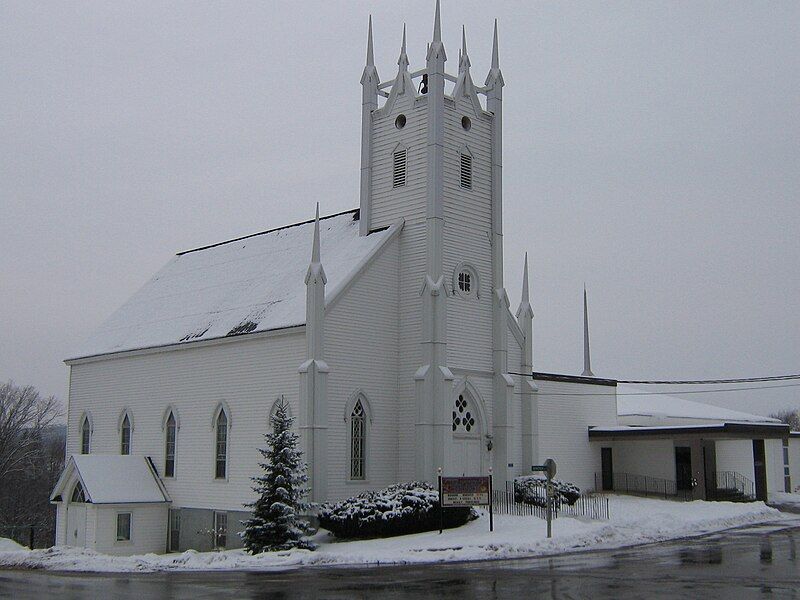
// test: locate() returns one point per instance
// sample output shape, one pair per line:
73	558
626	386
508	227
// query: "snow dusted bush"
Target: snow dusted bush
397	510
532	489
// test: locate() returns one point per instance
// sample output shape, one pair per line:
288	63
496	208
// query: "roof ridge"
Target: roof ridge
354	211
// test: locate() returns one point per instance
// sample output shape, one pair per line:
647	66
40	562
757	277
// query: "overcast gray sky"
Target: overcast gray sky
652	150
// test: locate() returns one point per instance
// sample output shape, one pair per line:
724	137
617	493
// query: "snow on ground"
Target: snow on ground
633	521
7	545
784	499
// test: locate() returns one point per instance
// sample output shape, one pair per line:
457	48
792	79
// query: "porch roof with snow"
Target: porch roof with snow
706	431
111	479
636	402
251	284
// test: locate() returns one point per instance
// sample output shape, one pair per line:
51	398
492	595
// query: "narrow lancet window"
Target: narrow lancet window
86	435
125	436
221	470
169	450
357	441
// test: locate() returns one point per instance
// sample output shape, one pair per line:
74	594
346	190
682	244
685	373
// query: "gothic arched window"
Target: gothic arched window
78	494
463	416
358	438
221	426
86	435
171	431
125	436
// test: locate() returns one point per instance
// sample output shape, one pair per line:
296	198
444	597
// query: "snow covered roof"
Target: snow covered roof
648	404
112	479
250	284
767	430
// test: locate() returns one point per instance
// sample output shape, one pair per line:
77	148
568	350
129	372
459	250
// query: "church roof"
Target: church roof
246	285
112	479
635	402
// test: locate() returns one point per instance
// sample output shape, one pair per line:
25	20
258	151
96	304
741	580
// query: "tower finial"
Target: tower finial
437	24
525	291
587	362
315	253
463	59
370	54
403	60
495	51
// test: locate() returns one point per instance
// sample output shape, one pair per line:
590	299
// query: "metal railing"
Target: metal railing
727	484
589	507
645	485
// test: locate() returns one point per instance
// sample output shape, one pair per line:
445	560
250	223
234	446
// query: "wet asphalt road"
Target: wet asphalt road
754	562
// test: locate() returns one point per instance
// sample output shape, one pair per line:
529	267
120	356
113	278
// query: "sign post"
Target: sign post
467	492
549	470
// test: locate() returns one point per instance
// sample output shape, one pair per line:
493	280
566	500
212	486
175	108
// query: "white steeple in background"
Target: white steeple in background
587	362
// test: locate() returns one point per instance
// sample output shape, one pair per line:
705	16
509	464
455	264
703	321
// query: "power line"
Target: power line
727	390
695	381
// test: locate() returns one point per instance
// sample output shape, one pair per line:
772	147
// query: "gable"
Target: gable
242	286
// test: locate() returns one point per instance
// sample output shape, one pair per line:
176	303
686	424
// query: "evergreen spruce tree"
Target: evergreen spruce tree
276	524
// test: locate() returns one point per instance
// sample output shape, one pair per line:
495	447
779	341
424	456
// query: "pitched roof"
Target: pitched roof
112	479
646	404
250	284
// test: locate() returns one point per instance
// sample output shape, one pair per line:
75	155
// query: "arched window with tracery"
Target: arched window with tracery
463	416
171	431
125	436
86	435
221	468
358	439
78	495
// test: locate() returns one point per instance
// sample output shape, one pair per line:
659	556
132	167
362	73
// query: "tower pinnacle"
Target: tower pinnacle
587	362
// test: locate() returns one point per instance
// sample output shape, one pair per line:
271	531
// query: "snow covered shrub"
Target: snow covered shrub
397	510
532	489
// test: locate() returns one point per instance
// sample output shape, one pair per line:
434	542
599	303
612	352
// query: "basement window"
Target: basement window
399	163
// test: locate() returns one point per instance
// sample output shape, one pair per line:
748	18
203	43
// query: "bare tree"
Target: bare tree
788	416
24	416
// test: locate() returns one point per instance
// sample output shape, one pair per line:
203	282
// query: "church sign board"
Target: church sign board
465	491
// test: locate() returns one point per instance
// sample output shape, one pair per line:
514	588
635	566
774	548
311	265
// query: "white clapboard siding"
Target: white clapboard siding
361	341
564	421
247	374
148	529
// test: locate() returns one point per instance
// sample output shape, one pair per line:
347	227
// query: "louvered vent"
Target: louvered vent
399	170
466	171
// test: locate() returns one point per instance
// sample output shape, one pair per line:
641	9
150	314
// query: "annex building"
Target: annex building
388	331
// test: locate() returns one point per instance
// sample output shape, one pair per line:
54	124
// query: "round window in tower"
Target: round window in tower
465	281
466	123
400	121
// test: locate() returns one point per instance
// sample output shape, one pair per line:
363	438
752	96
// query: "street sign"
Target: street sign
465	491
549	470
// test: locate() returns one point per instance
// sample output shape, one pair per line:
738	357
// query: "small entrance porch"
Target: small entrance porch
726	461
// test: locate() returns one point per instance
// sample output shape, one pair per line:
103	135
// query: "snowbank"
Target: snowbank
633	521
784	499
7	545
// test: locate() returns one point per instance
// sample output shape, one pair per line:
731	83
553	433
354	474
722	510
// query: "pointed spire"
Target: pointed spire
315	255
525	311
495	51
495	77
437	24
525	291
403	60
463	59
587	363
370	53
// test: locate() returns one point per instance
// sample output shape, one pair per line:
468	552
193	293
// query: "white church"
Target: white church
388	331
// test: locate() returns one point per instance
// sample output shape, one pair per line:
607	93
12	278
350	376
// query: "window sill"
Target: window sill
356	481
